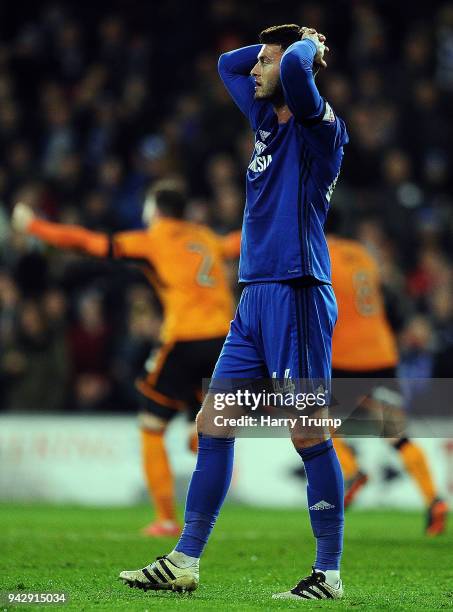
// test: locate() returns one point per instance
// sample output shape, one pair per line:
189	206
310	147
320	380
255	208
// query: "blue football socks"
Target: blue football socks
325	494
207	491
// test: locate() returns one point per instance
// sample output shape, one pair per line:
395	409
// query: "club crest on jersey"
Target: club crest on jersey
260	163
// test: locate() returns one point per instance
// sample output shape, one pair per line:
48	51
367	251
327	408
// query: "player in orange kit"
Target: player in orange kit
364	346
185	264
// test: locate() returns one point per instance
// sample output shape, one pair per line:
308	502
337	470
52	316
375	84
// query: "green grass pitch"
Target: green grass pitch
388	563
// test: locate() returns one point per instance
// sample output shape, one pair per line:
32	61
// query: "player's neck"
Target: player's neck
283	113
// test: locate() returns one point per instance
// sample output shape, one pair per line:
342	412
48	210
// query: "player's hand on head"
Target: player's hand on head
319	40
21	217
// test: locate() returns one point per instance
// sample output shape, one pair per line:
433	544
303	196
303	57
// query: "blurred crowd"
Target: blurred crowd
97	102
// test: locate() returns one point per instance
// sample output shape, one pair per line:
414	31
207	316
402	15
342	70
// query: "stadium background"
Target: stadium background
99	100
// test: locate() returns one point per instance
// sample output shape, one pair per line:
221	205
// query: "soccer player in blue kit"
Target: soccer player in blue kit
285	318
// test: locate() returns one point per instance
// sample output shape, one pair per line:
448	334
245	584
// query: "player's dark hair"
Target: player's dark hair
283	35
170	198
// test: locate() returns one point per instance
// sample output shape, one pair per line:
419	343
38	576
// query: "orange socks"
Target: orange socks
416	464
349	465
159	477
412	455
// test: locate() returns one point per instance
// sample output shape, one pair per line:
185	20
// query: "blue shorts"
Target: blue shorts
281	331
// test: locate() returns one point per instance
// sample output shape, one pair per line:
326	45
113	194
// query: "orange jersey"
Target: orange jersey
183	261
362	339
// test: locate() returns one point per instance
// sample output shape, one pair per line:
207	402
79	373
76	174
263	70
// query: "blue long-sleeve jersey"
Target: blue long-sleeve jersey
292	172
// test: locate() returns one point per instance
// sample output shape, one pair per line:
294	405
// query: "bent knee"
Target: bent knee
301	442
200	421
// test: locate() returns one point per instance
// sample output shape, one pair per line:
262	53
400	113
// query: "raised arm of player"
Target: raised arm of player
127	245
59	235
324	129
301	93
70	237
234	70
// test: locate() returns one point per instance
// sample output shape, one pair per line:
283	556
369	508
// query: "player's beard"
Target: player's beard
273	93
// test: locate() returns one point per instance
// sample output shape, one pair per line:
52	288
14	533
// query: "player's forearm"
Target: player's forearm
70	237
234	70
301	93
